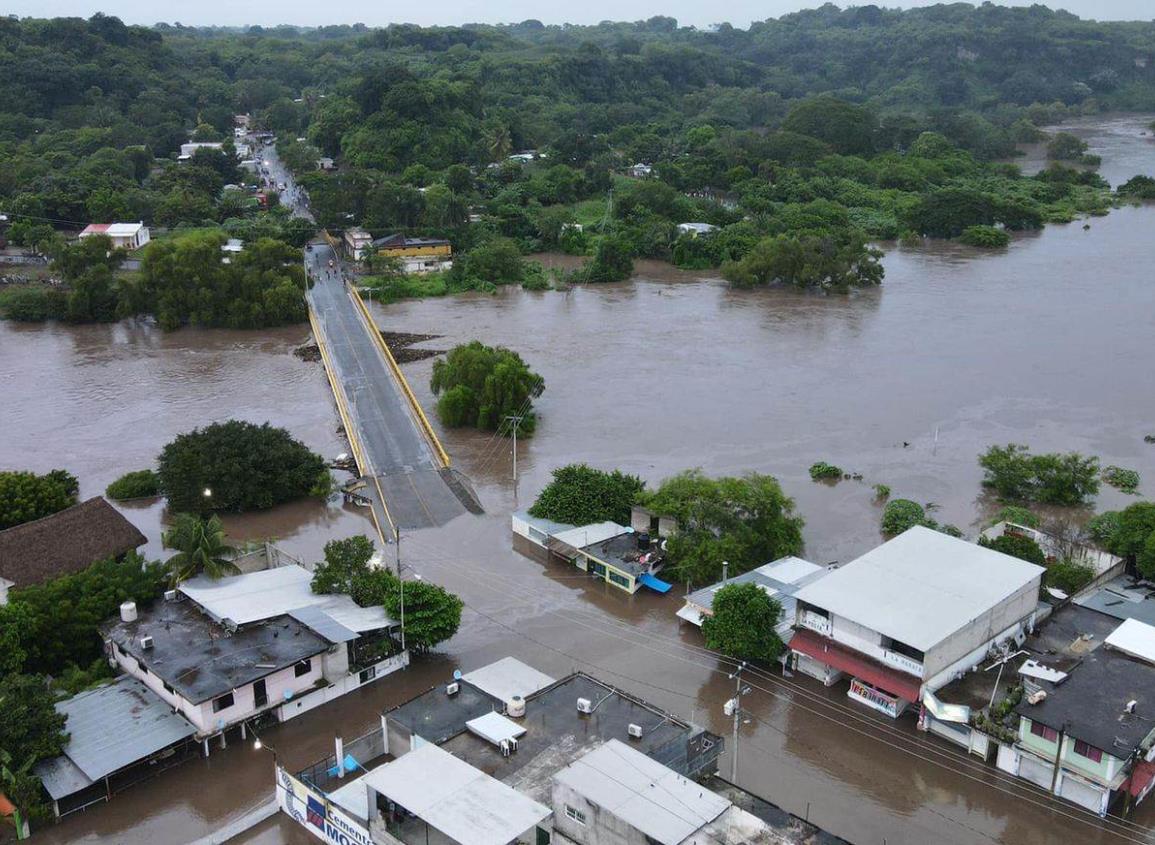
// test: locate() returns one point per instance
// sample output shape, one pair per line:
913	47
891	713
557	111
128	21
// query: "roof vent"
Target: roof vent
1036	697
146	643
584	705
452	689
1130	708
635	731
515	707
128	611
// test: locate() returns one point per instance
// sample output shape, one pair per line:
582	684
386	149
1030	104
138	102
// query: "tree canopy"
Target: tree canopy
742	624
481	386
746	521
238	466
579	494
1057	479
25	496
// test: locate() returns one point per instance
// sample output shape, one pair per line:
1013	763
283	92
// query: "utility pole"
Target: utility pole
516	420
400	578
733	707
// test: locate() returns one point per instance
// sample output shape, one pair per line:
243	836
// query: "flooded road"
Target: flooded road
1048	343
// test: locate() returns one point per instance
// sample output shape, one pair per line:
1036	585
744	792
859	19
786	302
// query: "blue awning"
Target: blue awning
654	583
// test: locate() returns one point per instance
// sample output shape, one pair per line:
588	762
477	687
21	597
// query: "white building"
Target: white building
911	615
222	652
128	236
780	579
188	150
695	229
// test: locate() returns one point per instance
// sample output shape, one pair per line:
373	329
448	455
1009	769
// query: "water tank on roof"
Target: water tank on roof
515	707
128	611
644	541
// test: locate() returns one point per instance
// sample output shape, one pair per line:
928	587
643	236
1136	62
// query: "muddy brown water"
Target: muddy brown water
1048	343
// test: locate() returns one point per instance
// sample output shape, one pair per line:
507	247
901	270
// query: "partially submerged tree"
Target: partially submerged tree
481	386
26	496
1052	478
1016	545
743	623
346	563
580	495
746	521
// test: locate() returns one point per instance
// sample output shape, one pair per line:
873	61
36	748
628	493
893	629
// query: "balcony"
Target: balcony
902	662
815	622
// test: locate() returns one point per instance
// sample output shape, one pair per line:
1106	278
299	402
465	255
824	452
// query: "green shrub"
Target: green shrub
1102	527
988	237
1068	576
1016	545
26	496
1052	478
901	514
1017	515
882	492
33	303
139	484
1126	480
822	470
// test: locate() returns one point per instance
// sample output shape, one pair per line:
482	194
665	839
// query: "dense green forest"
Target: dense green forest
807	135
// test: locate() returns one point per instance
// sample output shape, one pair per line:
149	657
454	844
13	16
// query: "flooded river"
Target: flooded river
1047	343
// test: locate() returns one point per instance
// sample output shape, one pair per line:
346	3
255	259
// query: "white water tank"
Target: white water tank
515	707
128	611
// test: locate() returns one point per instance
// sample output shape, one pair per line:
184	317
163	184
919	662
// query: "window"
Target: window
1039	729
122	649
223	703
140	663
168	688
1089	751
303	668
620	580
575	814
368	674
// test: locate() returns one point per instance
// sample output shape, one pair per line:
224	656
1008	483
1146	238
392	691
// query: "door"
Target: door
260	696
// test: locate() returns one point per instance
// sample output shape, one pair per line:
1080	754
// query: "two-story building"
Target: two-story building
224	652
1089	735
416	255
911	615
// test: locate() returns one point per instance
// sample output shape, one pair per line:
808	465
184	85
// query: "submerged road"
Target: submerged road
407	477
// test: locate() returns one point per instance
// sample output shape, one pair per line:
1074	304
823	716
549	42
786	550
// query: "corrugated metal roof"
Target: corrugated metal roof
116	725
323	624
60	777
649	797
273	592
921	587
508	677
588	535
452	796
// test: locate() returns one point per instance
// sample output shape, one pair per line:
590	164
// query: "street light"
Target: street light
208	492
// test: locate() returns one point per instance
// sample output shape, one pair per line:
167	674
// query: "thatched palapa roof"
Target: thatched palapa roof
65	542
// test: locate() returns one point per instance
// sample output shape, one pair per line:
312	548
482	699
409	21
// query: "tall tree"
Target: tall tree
200	547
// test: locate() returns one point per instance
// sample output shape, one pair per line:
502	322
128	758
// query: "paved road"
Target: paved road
417	491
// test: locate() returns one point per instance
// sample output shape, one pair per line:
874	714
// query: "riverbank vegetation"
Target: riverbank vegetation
26	496
578	494
238	466
482	386
742	624
823	126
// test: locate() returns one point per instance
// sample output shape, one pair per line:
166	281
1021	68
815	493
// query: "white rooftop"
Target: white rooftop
452	796
921	587
508	677
255	596
790	569
587	535
1134	638
642	792
494	728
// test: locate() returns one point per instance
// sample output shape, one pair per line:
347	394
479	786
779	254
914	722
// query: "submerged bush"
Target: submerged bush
988	237
822	470
139	484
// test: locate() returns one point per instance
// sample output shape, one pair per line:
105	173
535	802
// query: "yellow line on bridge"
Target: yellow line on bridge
423	421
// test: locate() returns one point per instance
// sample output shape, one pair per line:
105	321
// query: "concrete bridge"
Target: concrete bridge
408	475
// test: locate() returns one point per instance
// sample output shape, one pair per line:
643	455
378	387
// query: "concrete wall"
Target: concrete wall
601	826
338	687
1011	610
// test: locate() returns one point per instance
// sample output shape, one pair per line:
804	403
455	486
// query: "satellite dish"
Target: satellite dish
457	674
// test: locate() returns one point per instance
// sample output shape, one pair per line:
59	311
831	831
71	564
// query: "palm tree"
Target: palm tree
200	548
498	142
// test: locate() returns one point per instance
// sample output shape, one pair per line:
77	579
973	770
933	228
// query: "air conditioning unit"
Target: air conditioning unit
513	744
170	595
634	731
453	689
146	642
584	705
